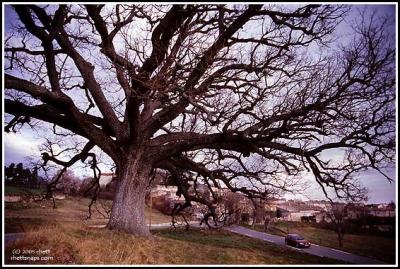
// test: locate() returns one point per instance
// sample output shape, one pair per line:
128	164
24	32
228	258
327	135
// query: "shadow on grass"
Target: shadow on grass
23	225
216	238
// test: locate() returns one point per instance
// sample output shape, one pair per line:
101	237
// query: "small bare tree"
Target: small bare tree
68	183
231	206
337	216
259	214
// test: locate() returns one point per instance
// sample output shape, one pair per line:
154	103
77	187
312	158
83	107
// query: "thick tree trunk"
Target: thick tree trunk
127	213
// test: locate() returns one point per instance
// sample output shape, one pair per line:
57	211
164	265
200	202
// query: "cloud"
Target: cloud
379	188
17	146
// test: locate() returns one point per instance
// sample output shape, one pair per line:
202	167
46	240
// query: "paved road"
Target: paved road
314	249
10	238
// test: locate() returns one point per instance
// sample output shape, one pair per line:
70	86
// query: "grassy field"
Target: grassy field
66	238
378	247
9	190
26	216
76	244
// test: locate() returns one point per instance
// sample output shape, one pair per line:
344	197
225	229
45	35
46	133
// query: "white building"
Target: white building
105	178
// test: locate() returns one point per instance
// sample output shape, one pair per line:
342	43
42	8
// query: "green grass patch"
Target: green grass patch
13	190
269	253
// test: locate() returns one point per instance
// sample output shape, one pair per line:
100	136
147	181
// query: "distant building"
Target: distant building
295	210
320	204
381	210
167	191
321	217
272	204
355	211
294	214
105	179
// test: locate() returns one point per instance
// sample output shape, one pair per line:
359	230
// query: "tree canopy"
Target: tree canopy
244	97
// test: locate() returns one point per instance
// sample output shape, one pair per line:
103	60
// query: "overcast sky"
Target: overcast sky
25	143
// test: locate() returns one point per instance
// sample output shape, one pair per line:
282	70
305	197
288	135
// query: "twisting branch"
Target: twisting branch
95	184
232	97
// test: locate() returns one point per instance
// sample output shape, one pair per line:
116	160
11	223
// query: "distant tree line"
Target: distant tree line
20	176
17	175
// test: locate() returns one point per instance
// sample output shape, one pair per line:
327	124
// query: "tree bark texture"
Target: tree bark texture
128	210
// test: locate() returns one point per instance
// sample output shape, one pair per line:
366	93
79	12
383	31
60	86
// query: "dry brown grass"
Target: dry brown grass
22	217
71	241
77	244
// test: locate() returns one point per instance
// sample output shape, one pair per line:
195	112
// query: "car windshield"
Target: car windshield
297	237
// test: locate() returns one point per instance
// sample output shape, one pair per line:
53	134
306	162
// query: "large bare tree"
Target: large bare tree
246	97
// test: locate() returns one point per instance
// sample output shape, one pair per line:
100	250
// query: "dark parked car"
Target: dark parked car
297	241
